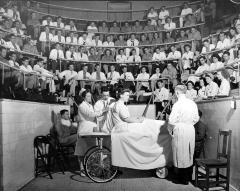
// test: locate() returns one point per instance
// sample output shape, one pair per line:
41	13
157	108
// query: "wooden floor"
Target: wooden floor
130	180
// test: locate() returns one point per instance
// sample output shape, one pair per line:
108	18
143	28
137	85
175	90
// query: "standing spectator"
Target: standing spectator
187	57
13	13
12	43
163	14
185	11
224	88
33	25
153	16
45	38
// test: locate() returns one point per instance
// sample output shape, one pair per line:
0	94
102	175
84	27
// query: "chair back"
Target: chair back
224	144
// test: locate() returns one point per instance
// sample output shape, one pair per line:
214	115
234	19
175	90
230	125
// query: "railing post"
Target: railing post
2	74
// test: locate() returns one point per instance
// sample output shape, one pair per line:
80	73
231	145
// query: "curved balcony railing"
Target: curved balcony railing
105	15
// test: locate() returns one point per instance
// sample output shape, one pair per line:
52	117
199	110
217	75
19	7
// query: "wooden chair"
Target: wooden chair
221	162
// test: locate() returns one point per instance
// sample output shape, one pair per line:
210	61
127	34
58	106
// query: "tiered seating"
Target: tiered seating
156	47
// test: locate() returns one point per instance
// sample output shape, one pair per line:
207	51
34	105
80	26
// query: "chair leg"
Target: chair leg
46	167
217	176
207	179
228	178
196	175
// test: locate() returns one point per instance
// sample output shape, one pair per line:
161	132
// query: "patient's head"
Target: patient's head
64	114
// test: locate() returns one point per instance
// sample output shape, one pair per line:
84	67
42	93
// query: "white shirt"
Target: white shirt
226	43
68	27
211	47
11	63
61	25
98	43
155	76
170	26
94	76
113	76
91	29
134	42
55	39
45	23
186	11
56	54
163	15
69	75
143	76
215	66
202	69
202	92
175	55
152	16
188	55
135	58
45	73
69	55
80	75
158	57
161	94
121	58
191	94
10	45
71	41
81	56
10	14
43	37
26	69
127	76
107	44
212	89
224	88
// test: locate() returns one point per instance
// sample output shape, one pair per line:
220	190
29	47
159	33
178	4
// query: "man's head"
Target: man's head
85	67
222	74
160	84
187	47
143	69
25	61
112	68
13	56
226	56
221	36
40	62
206	43
13	38
180	90
124	69
202	60
57	46
105	93
132	36
124	94
208	78
3	52
98	68
71	67
64	114
190	85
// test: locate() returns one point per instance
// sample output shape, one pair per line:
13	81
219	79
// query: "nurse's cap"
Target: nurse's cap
181	88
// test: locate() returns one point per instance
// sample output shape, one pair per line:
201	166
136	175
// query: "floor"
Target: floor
129	180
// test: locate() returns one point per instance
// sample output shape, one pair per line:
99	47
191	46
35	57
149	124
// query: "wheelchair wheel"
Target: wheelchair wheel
89	151
162	172
98	166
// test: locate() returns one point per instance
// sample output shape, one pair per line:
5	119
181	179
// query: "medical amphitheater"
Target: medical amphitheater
75	74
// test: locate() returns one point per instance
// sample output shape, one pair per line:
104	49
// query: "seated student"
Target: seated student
47	21
121	57
126	28
30	47
84	75
190	20
71	39
13	13
115	28
45	78
71	53
174	54
113	75
96	40
134	58
185	11
58	23
223	42
191	93
91	29
143	40
137	27
120	41
103	28
100	79
17	30
168	38
133	42
154	78
69	80
163	14
149	26
224	88
216	64
187	57
127	78
159	54
143	85
12	43
84	40
66	130
200	135
162	94
212	87
170	72
169	25
71	26
207	47
203	65
81	55
59	37
202	93
30	79
55	55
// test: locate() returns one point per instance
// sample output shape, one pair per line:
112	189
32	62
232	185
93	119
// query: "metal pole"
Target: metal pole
2	74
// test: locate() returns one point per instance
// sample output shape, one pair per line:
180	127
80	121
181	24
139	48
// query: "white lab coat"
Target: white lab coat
183	116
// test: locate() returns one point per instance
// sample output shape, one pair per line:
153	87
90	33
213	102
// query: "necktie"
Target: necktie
72	55
47	36
84	43
125	76
98	76
81	55
132	42
18	31
84	75
15	15
14	45
111	76
71	39
57	54
133	58
59	38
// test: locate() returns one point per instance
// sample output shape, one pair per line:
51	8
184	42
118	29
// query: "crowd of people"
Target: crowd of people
138	57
